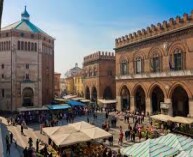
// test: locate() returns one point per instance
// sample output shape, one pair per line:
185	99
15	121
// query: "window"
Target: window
2	76
178	60
22	34
27	66
138	65
18	45
3	93
124	68
2	66
27	76
155	63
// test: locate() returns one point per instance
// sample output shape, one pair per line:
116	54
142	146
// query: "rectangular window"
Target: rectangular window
2	76
2	66
3	93
178	61
138	66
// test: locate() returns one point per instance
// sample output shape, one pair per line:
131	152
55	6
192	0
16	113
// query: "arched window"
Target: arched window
28	46
35	46
124	67
22	45
178	59
138	65
155	63
18	45
25	46
32	46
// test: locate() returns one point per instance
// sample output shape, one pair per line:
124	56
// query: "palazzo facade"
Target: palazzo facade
154	68
26	65
99	76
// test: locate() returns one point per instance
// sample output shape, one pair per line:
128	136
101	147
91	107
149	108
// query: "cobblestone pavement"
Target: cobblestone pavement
33	131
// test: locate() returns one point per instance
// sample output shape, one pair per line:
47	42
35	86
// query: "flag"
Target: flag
170	63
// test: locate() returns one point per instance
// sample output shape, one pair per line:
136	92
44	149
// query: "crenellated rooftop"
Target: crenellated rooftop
156	30
99	55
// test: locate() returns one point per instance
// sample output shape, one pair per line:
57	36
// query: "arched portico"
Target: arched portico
107	94
180	102
157	96
87	93
94	94
139	96
125	98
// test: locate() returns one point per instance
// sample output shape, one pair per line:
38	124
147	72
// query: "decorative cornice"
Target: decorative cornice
153	31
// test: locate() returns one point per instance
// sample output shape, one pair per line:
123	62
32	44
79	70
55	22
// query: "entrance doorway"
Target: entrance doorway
28	96
87	93
125	98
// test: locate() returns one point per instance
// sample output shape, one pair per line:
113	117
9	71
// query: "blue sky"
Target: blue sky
82	27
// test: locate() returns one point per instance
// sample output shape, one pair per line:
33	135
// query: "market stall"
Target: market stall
70	96
162	117
149	148
74	133
107	104
183	120
75	103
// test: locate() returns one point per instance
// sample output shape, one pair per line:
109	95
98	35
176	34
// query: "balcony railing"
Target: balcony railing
156	75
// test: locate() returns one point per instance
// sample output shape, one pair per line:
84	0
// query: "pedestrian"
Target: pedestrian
8	148
87	119
37	145
11	137
126	135
120	137
139	135
25	152
7	139
22	129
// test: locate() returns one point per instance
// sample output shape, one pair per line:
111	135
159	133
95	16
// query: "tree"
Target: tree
1	11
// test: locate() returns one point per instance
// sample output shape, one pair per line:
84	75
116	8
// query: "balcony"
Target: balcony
180	73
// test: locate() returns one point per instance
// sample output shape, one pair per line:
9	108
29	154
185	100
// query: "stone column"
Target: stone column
169	102
148	105
190	107
118	106
132	103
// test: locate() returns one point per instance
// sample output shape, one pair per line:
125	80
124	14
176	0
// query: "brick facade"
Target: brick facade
99	76
168	80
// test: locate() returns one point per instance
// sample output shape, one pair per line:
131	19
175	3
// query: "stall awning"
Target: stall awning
59	99
75	103
162	117
77	98
85	100
59	107
104	101
69	96
23	109
74	133
183	120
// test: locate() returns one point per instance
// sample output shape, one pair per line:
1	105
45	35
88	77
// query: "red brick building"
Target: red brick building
99	76
154	65
57	84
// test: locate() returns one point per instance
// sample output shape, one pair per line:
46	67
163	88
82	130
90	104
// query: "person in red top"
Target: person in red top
120	137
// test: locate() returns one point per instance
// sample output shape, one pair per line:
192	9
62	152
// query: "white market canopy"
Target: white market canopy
104	101
77	98
23	109
183	120
162	117
74	133
177	119
85	100
69	96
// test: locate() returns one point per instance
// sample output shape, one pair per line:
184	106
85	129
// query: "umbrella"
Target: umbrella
183	120
187	153
149	148
176	141
162	117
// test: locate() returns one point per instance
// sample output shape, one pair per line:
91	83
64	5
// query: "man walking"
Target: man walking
11	137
